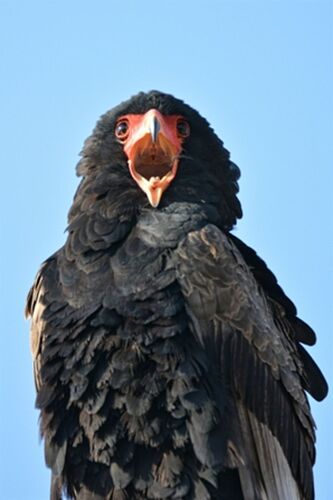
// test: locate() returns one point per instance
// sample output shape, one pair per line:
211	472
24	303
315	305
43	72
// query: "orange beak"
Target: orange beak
152	148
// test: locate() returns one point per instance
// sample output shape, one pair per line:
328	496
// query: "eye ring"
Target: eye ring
183	128
122	129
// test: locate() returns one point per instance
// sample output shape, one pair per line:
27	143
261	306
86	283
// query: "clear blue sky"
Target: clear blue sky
261	72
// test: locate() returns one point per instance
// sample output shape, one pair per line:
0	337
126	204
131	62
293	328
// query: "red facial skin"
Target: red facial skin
152	144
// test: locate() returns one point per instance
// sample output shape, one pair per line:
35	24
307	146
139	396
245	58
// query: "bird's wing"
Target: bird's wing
286	314
37	302
64	333
258	359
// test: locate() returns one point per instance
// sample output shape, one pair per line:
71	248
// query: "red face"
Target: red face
152	143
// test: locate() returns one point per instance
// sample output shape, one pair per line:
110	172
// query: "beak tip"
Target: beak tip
154	196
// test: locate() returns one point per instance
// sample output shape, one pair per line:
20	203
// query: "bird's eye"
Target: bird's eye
183	128
122	129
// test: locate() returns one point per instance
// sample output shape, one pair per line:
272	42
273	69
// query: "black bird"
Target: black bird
168	361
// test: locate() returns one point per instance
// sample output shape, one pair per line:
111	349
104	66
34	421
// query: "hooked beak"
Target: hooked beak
152	149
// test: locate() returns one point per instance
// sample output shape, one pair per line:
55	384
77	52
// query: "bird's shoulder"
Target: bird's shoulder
222	276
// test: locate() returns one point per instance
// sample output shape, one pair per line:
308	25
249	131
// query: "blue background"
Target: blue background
261	72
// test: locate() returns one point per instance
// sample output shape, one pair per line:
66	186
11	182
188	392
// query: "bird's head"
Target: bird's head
153	144
167	150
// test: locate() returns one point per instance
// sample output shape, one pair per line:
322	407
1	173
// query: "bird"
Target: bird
168	361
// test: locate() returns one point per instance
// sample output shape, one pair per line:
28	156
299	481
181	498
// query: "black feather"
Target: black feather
166	355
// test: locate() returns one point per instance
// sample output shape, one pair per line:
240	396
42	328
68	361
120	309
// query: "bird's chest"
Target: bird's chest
135	386
149	386
151	378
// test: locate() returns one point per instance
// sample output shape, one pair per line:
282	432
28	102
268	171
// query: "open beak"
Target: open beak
152	149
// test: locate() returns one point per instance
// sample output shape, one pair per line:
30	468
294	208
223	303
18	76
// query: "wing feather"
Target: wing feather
35	309
285	313
259	356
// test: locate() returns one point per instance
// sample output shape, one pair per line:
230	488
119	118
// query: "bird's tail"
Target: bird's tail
267	475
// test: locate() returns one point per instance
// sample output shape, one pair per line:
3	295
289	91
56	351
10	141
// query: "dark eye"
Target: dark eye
122	129
183	128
